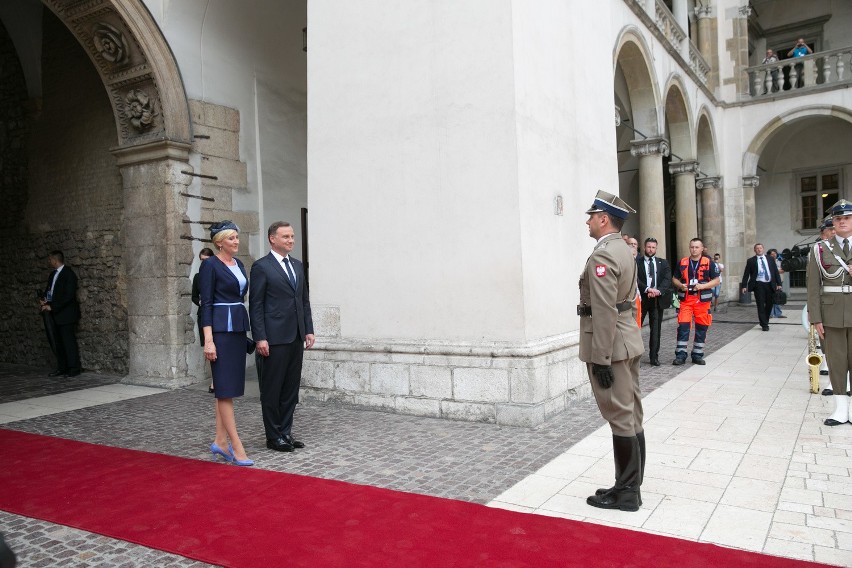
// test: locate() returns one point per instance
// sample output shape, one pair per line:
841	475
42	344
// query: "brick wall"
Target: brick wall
65	192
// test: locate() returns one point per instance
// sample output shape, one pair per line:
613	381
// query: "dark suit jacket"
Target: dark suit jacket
63	305
279	314
218	285
750	273
664	282
196	290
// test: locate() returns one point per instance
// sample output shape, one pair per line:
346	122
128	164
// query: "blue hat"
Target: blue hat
841	208
222	226
827	223
612	204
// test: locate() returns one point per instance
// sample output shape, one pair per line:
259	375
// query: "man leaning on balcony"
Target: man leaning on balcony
771	58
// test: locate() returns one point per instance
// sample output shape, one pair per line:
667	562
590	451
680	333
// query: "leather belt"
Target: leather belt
845	289
587	310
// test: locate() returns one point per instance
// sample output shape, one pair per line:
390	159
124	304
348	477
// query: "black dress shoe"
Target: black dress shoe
765	328
655	362
295	443
603	490
832	422
823	373
56	373
699	362
827	392
626	499
279	445
679	362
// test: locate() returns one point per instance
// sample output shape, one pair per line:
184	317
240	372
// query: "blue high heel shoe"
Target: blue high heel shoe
234	459
217	451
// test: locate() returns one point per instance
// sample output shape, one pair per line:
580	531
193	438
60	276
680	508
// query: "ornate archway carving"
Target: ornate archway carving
136	66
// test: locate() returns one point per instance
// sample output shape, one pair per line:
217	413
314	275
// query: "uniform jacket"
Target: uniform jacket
707	272
750	273
279	314
832	309
218	285
664	283
63	304
609	279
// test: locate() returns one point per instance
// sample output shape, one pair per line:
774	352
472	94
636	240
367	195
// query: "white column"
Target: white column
681	14
652	213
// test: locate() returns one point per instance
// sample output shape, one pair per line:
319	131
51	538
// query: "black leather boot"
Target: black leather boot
641	438
625	495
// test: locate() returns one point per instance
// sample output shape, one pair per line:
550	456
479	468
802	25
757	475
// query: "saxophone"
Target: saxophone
814	359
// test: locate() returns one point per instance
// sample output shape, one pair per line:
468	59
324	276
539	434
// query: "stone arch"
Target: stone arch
706	150
136	66
679	119
632	55
765	134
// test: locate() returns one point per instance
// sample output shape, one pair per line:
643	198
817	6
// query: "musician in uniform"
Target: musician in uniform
610	345
830	305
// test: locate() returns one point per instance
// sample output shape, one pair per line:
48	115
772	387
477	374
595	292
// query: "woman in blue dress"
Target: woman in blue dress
224	322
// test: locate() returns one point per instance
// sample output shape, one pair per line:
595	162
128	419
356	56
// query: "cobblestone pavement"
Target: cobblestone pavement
457	460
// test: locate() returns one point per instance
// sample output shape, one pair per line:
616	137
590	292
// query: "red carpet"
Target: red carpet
234	516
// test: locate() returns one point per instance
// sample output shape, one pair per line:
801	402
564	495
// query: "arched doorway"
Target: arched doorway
100	84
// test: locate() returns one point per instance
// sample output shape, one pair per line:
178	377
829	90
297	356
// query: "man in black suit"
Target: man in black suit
281	325
654	278
761	277
60	304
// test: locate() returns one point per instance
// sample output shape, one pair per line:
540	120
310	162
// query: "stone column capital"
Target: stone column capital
744	11
702	12
709	183
751	181
649	147
684	167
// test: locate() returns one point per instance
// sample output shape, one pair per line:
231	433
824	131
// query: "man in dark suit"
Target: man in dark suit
282	326
761	277
654	278
60	303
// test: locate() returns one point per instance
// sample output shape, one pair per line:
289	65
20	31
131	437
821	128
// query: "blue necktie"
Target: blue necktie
763	268
290	275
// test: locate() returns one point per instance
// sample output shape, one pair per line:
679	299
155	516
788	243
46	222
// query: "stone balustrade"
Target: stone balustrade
823	69
668	25
697	62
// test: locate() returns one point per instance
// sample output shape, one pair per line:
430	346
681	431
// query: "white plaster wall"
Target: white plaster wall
248	55
413	169
566	146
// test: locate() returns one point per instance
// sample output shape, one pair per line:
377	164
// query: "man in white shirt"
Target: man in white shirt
761	277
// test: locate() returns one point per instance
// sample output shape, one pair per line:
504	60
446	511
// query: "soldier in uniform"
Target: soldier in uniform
610	345
830	305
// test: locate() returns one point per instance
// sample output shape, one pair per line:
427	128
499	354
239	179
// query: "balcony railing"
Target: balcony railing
697	63
667	24
812	72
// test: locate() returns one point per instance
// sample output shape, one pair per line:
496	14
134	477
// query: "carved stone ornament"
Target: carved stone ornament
139	110
744	11
685	167
751	181
708	183
617	116
110	43
705	11
649	147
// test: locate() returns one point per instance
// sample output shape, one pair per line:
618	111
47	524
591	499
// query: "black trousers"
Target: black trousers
67	353
280	377
651	309
764	296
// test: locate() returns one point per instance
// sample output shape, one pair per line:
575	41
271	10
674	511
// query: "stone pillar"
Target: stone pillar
712	214
738	48
157	257
652	213
750	183
706	29
685	206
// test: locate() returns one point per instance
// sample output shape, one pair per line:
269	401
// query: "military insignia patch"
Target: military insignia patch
600	270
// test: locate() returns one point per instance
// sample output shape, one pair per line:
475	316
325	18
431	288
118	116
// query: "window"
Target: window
818	192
